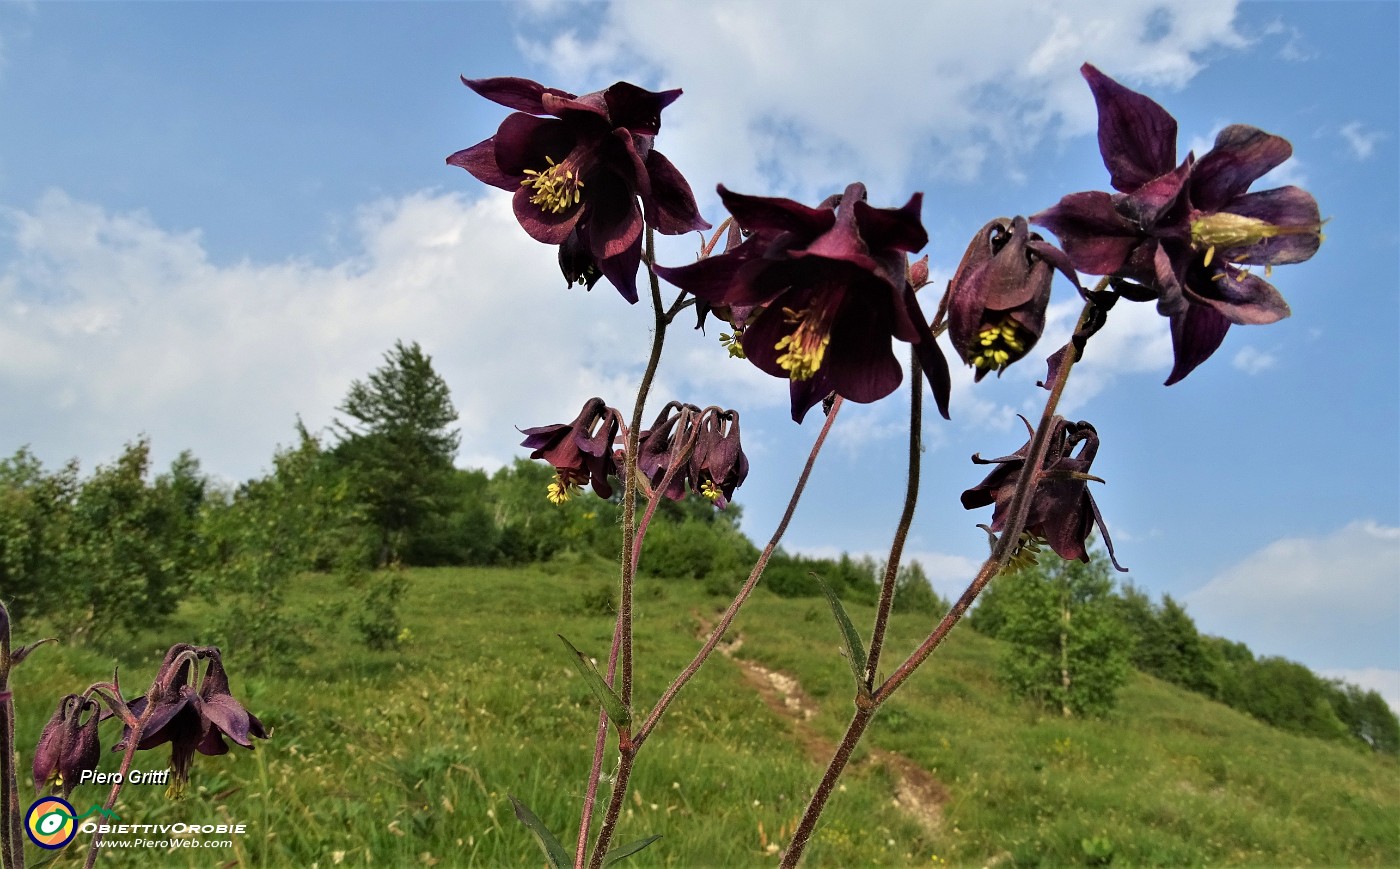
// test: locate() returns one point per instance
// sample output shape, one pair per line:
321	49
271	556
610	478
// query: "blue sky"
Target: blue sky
214	216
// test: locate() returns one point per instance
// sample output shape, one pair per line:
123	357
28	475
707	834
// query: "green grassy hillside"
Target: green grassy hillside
405	758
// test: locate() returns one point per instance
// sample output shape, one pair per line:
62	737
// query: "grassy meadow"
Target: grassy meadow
406	758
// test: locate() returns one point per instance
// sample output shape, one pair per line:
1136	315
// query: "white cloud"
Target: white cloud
1332	600
1362	143
1384	682
951	89
1294	46
1253	361
112	326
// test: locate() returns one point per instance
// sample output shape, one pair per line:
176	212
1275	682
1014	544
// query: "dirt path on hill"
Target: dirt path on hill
917	793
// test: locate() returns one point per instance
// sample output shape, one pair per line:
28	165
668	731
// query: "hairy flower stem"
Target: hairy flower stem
1017	513
133	740
1001	553
793	855
906	518
11	838
725	620
621	654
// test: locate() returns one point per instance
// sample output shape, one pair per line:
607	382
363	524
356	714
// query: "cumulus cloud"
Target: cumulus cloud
957	88
1332	600
113	327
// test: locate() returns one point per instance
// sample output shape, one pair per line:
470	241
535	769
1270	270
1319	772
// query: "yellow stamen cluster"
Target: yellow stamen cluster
1026	553
805	346
559	493
556	188
731	343
711	491
996	343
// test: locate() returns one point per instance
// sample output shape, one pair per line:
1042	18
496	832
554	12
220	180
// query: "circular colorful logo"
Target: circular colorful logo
50	823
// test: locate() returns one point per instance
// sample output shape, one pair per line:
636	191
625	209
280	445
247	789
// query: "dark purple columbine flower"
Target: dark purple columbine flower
192	720
580	452
1185	234
718	465
824	290
696	447
577	166
668	443
1062	511
48	752
998	296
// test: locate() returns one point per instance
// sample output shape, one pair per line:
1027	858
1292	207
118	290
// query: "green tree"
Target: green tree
399	446
1166	643
913	593
261	536
130	550
35	519
1369	718
1066	649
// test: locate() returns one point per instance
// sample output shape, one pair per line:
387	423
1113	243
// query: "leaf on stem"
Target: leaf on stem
850	640
622	852
612	704
553	851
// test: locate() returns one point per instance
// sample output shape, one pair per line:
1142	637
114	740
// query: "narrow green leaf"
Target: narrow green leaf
553	851
612	704
850	640
622	852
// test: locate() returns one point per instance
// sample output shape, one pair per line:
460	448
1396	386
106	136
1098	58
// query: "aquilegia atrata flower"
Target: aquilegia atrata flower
1062	512
68	745
998	296
824	290
1181	234
580	452
578	171
697	447
192	720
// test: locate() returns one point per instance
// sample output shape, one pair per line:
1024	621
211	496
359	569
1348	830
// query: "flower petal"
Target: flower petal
671	208
1196	334
1242	154
621	268
776	215
480	161
1137	137
1291	208
1240	297
896	228
1096	237
520	94
635	109
543	226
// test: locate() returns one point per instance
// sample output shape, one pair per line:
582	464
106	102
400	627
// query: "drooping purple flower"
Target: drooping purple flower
48	752
577	166
718	465
580	452
1062	511
667	444
1185	234
192	720
824	291
696	447
998	297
